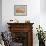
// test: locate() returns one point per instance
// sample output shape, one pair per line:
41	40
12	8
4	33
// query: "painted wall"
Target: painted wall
43	14
33	11
34	14
0	15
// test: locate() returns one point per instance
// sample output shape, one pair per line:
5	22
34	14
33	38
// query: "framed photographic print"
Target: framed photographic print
20	10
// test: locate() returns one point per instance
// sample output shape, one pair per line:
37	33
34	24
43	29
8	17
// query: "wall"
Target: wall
43	6
33	10
43	14
34	14
0	15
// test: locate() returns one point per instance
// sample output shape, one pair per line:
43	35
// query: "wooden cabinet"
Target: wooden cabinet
22	33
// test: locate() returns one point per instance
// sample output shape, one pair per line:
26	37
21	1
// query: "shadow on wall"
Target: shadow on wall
0	15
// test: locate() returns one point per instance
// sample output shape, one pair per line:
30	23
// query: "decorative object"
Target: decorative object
13	21
1	40
27	21
7	38
20	10
45	35
41	36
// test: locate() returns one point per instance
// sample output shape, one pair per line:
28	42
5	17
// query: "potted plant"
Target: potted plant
41	36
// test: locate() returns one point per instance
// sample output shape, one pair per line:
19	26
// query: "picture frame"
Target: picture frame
20	10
